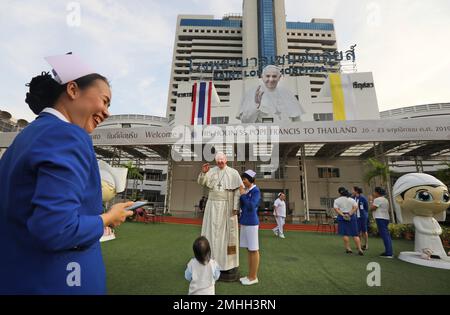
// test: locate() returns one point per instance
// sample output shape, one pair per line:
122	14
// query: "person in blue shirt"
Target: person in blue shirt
362	215
50	190
249	201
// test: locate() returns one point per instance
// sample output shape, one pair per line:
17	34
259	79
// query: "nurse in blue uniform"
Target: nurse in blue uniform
249	202
50	191
346	208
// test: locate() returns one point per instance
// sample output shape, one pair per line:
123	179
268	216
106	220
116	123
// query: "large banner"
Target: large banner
419	129
423	129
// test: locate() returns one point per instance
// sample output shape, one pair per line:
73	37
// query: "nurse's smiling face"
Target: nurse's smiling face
88	107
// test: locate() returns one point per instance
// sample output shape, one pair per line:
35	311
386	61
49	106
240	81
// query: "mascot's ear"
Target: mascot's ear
399	199
404	216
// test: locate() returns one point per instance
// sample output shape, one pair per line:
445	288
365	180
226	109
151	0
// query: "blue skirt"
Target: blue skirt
347	228
362	223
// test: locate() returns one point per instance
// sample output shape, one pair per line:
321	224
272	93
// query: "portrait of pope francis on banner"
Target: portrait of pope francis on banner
269	101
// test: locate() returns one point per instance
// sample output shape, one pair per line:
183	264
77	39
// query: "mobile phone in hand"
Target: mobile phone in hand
137	205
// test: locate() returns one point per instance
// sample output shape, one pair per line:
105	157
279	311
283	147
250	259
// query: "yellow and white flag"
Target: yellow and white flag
344	103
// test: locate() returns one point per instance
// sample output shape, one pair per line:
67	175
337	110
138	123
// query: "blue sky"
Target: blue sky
403	42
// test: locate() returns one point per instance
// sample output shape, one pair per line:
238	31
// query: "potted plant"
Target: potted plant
408	232
373	228
445	236
395	230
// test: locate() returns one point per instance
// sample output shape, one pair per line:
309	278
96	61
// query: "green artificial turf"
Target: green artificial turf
151	259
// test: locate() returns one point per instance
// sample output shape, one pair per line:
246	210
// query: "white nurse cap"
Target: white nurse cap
115	176
250	173
411	180
68	67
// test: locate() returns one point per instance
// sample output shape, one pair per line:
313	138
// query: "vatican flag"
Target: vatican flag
344	103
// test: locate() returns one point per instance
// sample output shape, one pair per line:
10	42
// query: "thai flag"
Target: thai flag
201	103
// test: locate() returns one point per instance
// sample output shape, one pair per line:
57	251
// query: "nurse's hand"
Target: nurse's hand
205	168
117	214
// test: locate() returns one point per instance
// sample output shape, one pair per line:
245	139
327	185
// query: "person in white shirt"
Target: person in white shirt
202	271
346	207
279	211
380	212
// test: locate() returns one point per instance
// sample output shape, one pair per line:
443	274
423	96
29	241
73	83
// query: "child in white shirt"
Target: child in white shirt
202	271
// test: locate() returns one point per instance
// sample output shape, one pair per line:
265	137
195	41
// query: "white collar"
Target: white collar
253	186
56	113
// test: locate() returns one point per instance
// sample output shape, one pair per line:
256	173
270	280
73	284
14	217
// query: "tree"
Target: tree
134	174
444	174
377	170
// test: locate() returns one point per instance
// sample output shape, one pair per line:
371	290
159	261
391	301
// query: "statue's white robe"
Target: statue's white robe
427	236
220	226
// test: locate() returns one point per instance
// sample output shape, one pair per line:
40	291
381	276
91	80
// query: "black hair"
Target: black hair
358	189
44	90
380	191
343	191
202	250
250	179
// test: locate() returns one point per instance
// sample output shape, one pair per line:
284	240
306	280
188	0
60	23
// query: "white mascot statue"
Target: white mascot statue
422	199
114	180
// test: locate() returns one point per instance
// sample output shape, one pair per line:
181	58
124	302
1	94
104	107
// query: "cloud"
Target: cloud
401	42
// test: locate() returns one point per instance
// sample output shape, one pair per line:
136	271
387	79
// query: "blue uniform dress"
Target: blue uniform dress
346	228
363	207
249	219
249	207
50	202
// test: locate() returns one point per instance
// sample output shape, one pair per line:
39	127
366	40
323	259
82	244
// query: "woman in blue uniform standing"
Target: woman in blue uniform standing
346	208
250	198
51	204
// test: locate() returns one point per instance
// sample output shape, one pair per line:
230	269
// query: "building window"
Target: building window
267	120
323	117
326	202
266	27
220	120
329	35
126	125
328	172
